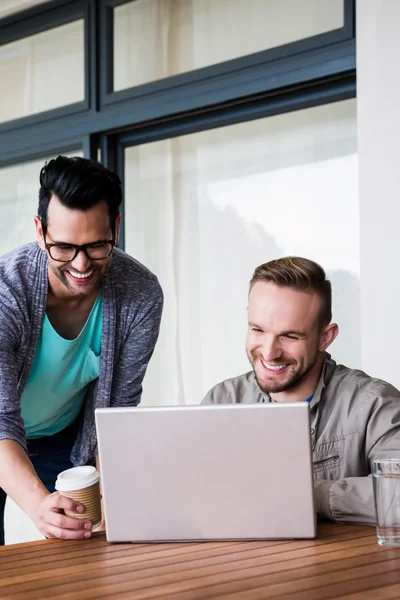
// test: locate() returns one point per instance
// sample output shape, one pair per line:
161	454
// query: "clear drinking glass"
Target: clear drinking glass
386	481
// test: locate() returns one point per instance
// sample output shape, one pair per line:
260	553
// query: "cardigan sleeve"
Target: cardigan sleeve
11	423
137	349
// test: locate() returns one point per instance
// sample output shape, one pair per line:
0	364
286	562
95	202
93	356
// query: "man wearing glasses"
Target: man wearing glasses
79	320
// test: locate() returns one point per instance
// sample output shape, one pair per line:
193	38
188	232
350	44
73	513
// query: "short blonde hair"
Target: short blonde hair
301	274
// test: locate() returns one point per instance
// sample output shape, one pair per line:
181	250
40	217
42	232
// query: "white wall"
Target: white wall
378	93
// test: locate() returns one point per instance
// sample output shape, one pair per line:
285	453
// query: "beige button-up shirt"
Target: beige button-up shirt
354	417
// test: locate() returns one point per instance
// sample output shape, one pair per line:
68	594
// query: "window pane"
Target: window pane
19	201
203	210
154	39
40	73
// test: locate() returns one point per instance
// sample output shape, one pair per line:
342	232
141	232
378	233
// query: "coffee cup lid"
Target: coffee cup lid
76	478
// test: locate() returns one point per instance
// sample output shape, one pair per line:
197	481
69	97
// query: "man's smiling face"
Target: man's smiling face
81	276
284	336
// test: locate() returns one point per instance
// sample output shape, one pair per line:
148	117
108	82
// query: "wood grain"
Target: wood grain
343	562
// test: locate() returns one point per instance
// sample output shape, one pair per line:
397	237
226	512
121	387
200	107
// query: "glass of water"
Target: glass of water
386	481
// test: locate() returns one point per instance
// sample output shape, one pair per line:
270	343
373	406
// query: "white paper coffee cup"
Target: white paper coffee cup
82	484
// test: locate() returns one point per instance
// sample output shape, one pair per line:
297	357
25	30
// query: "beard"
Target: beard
294	377
60	273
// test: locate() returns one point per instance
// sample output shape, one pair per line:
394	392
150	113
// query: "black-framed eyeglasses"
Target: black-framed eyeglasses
67	252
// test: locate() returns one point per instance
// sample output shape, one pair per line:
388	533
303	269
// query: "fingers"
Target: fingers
57	501
52	521
66	534
64	522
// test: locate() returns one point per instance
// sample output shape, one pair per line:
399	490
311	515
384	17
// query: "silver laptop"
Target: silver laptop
226	472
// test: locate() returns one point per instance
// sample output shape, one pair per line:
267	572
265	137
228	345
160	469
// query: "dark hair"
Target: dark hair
301	274
78	183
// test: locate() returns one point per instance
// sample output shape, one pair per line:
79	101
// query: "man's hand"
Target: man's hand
20	481
53	523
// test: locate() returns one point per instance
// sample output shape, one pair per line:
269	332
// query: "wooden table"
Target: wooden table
343	562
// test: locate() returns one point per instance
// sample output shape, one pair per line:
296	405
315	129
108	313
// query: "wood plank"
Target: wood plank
324	530
162	555
391	591
328	592
309	585
343	561
87	560
175	578
86	552
106	550
156	592
21	551
268	590
27	546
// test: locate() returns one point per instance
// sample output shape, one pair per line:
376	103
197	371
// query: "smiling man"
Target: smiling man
79	321
353	416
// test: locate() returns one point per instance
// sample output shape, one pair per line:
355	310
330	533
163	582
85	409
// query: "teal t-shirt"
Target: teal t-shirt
60	372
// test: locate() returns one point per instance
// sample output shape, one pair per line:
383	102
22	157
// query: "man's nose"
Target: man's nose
81	262
271	349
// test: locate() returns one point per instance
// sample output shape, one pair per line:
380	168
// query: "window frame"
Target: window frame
301	73
245	75
289	100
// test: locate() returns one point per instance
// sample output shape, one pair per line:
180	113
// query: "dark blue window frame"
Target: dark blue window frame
235	78
306	73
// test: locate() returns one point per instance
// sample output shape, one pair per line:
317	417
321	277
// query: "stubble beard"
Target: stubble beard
63	278
294	379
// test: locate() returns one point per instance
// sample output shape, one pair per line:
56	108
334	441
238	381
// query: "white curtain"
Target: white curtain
203	210
19	200
154	39
42	71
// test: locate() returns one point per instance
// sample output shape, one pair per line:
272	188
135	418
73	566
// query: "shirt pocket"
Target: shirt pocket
91	368
327	461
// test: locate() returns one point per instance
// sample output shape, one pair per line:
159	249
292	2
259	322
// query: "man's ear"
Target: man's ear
39	233
328	335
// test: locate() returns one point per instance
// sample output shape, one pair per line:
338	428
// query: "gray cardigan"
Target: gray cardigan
132	307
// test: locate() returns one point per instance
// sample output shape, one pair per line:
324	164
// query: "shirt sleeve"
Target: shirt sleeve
351	499
209	398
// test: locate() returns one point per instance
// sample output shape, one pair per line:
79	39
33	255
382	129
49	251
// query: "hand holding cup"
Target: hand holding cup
51	521
81	485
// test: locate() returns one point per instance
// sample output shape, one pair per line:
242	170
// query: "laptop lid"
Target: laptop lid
207	472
